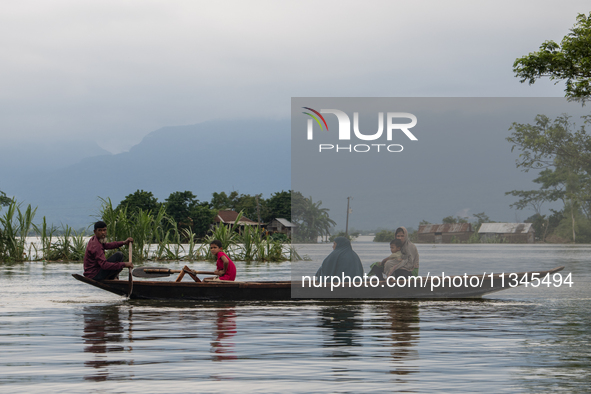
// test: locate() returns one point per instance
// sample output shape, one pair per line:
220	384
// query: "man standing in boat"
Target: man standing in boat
95	265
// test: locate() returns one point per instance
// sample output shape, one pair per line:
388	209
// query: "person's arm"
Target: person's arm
223	272
114	245
98	255
118	244
399	264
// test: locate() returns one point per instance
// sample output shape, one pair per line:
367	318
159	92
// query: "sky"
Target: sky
459	163
111	72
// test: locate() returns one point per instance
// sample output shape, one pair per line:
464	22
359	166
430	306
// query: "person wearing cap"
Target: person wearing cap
95	265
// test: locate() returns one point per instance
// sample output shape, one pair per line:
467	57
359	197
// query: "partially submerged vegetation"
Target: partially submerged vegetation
156	235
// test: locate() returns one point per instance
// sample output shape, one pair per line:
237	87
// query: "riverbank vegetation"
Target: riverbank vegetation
180	228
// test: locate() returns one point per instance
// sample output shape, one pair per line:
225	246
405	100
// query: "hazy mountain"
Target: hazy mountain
437	177
250	156
18	161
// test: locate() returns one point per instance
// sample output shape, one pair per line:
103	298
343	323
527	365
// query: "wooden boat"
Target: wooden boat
288	290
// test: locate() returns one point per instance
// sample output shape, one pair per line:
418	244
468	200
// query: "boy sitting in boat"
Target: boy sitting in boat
394	261
225	268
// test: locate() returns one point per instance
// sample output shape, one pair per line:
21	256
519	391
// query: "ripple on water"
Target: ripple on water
60	335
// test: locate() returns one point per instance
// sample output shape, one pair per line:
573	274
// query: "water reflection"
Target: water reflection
103	336
223	345
344	322
402	321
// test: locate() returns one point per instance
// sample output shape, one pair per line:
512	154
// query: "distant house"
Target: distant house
229	217
282	226
507	232
445	233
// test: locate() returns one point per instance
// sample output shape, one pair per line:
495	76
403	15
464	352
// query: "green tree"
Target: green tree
188	212
4	201
452	220
223	201
480	218
540	225
384	236
202	217
179	205
562	153
570	60
140	199
248	205
313	221
449	220
278	206
547	143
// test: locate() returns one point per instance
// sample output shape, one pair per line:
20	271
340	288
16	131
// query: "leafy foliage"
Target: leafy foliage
313	221
179	206
4	201
278	206
16	224
189	213
384	236
145	227
452	220
547	143
570	60
140	199
223	201
562	153
201	218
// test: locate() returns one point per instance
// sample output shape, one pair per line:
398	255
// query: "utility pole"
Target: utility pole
347	223
258	212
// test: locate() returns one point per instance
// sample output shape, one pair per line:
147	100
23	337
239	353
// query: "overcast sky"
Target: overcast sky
113	71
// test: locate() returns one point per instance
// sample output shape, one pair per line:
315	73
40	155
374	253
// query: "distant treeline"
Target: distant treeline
180	219
157	235
189	212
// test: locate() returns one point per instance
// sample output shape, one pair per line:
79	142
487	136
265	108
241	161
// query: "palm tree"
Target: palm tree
313	221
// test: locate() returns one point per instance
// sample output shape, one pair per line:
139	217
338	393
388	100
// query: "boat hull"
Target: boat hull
287	290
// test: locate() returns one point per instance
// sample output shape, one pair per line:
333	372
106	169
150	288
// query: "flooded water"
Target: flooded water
60	335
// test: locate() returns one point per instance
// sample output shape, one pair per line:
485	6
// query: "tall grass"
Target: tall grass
46	238
144	227
256	244
227	235
70	246
248	243
155	234
193	252
61	249
16	226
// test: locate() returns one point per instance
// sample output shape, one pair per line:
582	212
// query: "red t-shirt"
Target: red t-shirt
230	272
